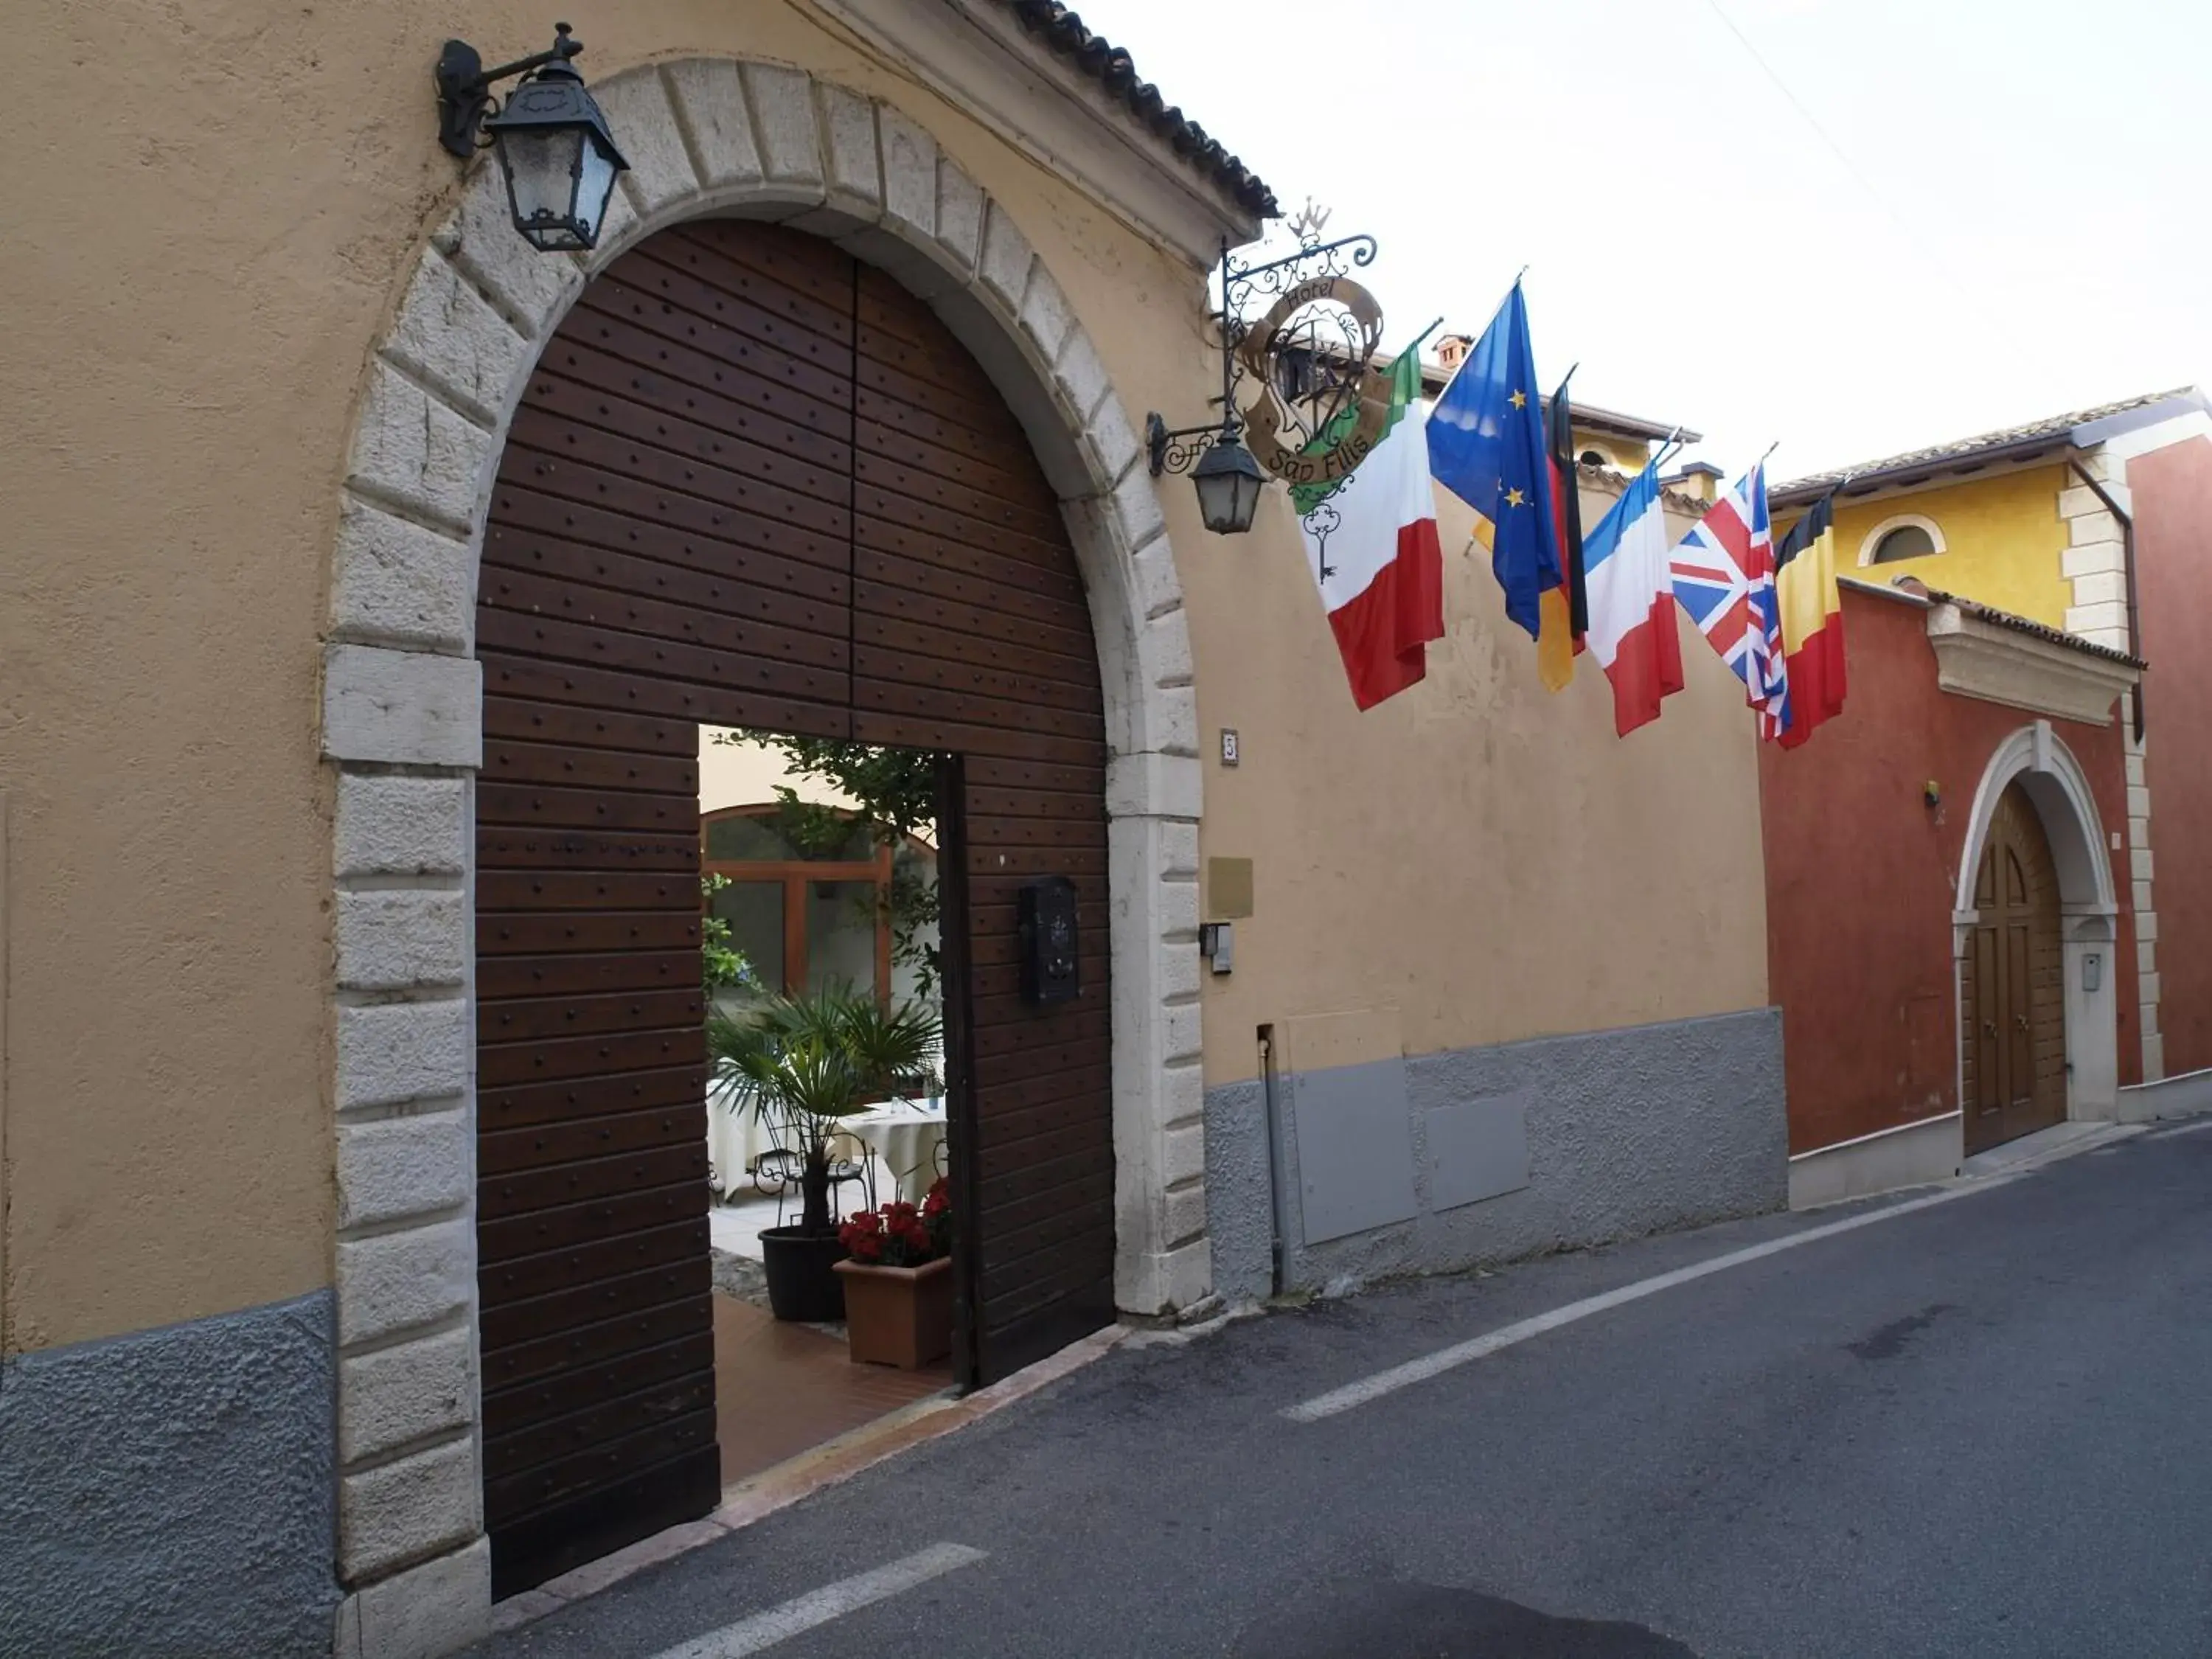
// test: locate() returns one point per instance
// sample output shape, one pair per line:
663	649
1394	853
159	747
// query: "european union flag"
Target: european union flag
1487	446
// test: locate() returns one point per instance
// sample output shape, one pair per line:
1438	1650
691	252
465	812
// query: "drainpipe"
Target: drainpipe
1274	1160
2128	561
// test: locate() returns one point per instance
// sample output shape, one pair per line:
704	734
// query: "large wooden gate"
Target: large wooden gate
752	484
2013	993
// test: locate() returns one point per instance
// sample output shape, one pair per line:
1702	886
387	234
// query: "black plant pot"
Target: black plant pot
802	1283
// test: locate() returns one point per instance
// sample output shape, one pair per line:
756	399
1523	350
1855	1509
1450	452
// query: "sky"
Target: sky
1855	227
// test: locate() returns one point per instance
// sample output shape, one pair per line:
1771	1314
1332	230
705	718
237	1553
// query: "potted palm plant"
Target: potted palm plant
803	1064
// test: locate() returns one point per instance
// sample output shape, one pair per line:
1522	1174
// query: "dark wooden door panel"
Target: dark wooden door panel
753	484
528	1278
550	975
534	1105
543	1543
686	1275
2014	985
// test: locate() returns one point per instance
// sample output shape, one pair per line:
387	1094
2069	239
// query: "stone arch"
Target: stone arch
400	721
1871	542
2037	757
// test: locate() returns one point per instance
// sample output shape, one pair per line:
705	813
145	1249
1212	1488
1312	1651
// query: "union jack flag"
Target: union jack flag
1723	575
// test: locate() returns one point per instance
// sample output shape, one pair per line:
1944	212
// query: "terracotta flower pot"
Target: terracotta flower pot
899	1317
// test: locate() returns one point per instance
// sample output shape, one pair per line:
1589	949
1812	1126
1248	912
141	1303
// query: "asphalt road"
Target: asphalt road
1983	1427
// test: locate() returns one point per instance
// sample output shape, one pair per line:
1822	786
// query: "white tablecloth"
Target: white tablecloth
904	1139
735	1138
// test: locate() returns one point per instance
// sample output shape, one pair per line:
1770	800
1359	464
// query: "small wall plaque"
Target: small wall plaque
1228	889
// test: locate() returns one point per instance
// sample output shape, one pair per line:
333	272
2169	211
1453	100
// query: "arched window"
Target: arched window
1907	541
1592	458
1907	536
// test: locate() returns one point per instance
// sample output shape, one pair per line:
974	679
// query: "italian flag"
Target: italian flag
1371	544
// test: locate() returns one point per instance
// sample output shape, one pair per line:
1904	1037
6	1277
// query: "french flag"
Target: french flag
1632	603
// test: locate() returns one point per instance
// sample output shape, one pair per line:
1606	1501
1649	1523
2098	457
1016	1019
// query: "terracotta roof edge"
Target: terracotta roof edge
2031	628
1063	33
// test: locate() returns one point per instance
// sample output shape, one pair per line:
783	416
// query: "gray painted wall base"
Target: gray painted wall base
1625	1132
169	1494
1913	1156
2186	1096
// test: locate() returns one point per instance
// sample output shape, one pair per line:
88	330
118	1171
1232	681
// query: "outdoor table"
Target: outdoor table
736	1137
904	1139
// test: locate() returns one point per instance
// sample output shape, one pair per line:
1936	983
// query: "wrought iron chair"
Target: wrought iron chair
779	1169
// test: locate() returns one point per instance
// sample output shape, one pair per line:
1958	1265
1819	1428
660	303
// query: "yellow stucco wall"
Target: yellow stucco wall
1482	856
2004	540
194	292
1622	455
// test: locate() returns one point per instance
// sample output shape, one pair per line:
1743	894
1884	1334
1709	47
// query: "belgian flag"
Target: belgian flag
1812	620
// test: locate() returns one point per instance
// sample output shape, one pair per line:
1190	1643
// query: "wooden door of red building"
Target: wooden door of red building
752	484
2014	994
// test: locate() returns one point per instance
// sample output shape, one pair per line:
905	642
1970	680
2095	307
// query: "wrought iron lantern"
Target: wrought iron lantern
1228	480
554	148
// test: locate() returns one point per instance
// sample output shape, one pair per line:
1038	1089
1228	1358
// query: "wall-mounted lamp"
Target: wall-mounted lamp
1227	478
560	160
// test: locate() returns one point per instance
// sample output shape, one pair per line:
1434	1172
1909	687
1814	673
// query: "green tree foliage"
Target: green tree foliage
723	966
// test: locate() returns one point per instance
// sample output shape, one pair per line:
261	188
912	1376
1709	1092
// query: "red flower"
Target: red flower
901	1233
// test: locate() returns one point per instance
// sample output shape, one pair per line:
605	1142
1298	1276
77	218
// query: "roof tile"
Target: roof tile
2053	428
1111	67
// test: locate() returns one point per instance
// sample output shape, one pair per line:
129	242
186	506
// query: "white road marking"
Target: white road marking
765	1630
1481	1347
2197	1127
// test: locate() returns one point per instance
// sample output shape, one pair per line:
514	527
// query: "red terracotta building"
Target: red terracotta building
2172	533
1940	869
1973	932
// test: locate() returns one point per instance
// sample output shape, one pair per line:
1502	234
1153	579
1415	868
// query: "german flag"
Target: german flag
1563	610
1812	620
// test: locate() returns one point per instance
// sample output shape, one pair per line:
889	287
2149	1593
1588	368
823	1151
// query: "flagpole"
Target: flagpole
1419	338
1667	449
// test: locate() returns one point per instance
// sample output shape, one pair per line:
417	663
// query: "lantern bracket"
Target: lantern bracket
1177	449
464	88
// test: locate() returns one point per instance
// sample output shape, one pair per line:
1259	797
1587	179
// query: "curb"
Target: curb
833	1461
1993	1163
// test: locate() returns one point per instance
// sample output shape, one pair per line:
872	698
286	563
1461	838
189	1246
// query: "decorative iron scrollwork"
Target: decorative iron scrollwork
1305	333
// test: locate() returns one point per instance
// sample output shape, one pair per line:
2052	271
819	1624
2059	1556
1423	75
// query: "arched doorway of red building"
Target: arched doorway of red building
753	483
2013	991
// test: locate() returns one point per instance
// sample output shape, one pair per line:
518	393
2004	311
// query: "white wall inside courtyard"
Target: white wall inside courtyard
746	773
